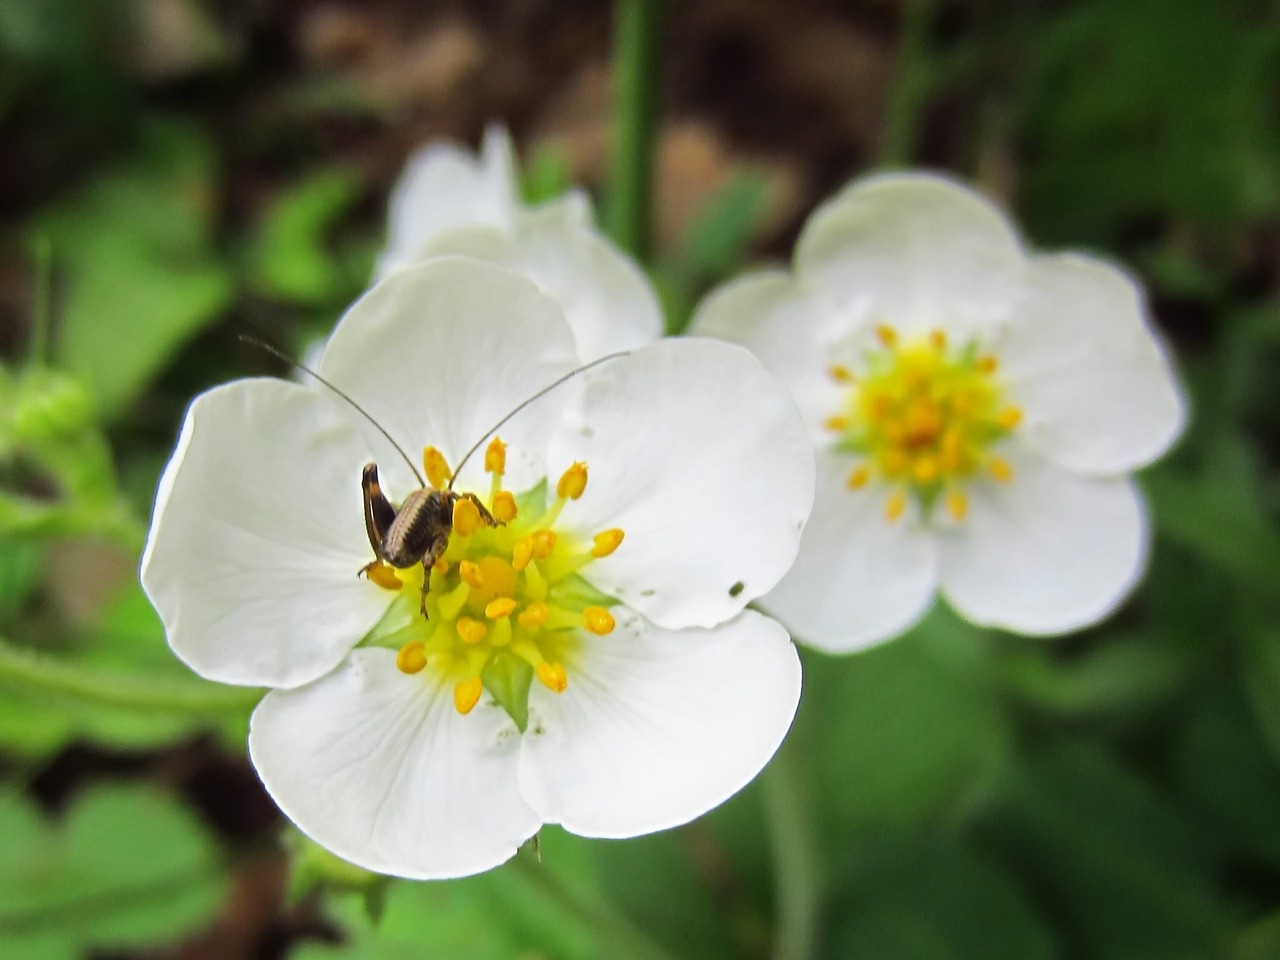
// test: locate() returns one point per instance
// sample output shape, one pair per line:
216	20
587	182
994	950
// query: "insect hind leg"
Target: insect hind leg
485	515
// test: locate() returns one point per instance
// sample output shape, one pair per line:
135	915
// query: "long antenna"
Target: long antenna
541	393
262	344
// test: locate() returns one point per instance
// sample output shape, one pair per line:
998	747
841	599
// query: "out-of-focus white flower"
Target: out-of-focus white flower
450	201
589	662
977	412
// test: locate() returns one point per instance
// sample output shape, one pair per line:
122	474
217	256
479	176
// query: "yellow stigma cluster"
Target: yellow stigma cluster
505	595
922	418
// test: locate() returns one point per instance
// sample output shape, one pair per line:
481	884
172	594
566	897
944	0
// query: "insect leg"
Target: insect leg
379	514
434	553
485	515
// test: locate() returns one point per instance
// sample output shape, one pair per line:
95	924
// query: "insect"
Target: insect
417	532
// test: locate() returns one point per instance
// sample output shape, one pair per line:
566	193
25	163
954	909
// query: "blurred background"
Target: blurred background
174	173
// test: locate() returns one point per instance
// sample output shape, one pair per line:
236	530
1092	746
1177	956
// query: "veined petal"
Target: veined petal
915	252
791	330
702	459
445	186
656	726
440	352
606	298
1080	358
379	767
257	536
859	578
1049	552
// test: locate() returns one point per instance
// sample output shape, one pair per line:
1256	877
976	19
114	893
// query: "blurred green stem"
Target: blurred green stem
39	353
627	939
29	672
797	869
637	50
911	86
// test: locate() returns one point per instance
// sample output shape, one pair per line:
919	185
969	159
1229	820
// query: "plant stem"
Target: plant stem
637	52
911	86
40	349
797	870
627	939
31	672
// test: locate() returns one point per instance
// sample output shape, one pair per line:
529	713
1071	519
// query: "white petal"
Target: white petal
1079	356
859	578
915	251
257	536
440	352
702	459
656	727
444	187
379	767
606	298
792	331
1048	552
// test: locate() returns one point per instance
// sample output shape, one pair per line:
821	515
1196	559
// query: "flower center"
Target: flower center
506	603
921	418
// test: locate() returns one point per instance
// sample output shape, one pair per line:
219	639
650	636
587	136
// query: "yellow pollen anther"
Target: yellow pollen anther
436	467
925	470
522	553
572	482
504	507
499	608
534	615
606	542
470	573
598	620
858	478
1000	469
466	517
384	575
938	338
553	676
957	504
1008	418
886	335
495	457
840	373
471	631
441	566
837	424
544	541
412	658
896	506
987	364
466	694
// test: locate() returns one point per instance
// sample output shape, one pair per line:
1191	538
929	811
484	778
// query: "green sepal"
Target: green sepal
574	593
400	624
533	502
508	677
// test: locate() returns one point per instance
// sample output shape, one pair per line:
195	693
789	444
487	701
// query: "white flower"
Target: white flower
449	201
976	411
606	614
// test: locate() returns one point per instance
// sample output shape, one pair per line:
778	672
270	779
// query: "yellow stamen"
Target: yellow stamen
598	620
886	335
1000	469
470	573
495	457
987	364
466	517
412	658
384	575
938	338
466	694
572	482
957	504
441	566
471	631
925	470
522	552
896	506
504	507
1008	418
553	676
840	373
436	467
606	542
836	424
499	608
544	542
534	615
858	478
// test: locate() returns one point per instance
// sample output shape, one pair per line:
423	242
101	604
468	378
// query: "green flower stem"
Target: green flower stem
637	51
912	83
796	863
627	940
29	672
39	352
